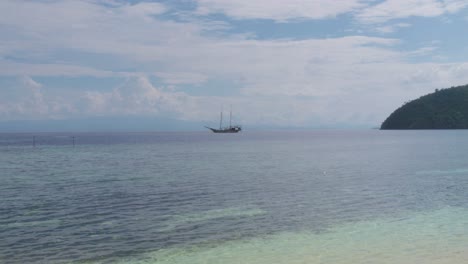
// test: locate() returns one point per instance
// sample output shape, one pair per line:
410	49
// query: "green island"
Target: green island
442	109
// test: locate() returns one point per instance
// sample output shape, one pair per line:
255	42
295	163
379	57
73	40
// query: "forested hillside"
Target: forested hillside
443	109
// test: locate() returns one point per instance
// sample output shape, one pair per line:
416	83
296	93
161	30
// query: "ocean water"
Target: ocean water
319	196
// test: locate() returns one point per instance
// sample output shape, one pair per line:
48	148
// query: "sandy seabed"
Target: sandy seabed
435	237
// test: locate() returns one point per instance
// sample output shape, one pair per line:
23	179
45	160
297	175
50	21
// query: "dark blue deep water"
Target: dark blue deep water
254	197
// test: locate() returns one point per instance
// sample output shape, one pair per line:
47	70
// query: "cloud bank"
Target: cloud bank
163	54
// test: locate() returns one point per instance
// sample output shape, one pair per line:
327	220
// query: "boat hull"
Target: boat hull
225	130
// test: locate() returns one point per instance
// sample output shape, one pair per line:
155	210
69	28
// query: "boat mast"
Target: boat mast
230	116
221	120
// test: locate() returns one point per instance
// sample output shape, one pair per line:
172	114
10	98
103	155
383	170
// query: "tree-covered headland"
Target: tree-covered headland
443	109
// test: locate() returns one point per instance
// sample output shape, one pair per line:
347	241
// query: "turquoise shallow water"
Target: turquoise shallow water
258	197
439	236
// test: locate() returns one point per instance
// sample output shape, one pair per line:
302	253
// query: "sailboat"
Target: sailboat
229	129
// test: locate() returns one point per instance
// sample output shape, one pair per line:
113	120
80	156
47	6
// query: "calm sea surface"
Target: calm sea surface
253	197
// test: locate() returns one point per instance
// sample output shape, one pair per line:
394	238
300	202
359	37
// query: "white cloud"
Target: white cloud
396	9
363	10
137	96
25	99
179	53
11	68
279	10
144	9
432	75
283	82
392	28
182	77
42	28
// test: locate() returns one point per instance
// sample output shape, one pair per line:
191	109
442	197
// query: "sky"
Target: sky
277	63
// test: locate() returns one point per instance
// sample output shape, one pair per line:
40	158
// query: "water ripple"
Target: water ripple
121	198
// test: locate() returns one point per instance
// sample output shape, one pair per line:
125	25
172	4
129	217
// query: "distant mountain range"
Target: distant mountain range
443	109
101	124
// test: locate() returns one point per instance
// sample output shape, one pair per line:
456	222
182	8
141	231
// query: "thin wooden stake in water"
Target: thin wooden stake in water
73	141
34	141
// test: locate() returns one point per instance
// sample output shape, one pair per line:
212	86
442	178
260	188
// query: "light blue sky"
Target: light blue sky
295	63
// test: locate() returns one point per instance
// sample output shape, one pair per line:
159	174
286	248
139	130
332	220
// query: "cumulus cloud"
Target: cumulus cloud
24	98
136	96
